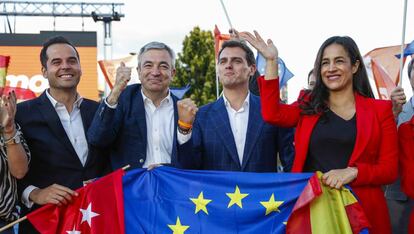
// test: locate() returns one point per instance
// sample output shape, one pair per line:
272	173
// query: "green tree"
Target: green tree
196	65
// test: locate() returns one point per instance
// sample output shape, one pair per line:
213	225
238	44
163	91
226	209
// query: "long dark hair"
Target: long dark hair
317	98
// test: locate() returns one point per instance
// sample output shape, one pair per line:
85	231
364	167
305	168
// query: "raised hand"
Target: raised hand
267	49
123	75
398	100
187	110
7	113
234	34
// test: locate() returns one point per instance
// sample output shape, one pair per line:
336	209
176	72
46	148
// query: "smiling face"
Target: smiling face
233	68
155	70
336	68
63	69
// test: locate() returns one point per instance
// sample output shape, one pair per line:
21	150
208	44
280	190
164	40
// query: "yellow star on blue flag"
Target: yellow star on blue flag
271	205
178	228
236	197
201	203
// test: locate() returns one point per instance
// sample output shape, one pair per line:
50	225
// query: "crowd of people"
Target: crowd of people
54	143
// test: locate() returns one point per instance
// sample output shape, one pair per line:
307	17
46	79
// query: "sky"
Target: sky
297	27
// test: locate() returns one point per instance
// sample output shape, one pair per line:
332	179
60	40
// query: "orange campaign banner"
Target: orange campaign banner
24	71
385	67
108	68
219	39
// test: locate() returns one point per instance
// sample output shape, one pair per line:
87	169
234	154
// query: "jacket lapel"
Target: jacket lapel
87	117
254	128
53	122
174	147
221	122
364	116
138	113
307	123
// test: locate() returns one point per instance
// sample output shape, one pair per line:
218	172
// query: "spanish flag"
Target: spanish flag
320	209
4	63
21	93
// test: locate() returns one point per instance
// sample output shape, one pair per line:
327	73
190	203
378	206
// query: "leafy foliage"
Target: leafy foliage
196	65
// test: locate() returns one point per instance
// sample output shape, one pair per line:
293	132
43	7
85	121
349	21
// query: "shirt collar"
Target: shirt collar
77	103
167	99
245	103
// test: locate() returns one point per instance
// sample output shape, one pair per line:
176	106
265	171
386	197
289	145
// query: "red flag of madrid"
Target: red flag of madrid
97	209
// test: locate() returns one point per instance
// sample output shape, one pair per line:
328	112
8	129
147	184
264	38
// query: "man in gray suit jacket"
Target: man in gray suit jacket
399	205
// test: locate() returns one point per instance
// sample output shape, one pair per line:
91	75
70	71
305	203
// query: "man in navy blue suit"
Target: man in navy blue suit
54	126
230	134
139	121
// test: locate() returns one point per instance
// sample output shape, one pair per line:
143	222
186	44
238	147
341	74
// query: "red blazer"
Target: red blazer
375	152
406	139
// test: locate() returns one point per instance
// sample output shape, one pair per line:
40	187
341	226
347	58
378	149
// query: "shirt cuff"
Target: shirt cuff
110	106
182	139
25	196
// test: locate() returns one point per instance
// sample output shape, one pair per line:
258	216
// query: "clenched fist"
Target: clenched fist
398	100
187	110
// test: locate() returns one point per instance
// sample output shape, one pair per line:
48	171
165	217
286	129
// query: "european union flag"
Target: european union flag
284	73
169	200
409	50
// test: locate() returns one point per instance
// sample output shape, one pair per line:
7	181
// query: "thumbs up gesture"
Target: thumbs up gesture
123	75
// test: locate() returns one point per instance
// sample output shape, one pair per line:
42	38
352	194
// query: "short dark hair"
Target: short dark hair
234	43
410	68
52	41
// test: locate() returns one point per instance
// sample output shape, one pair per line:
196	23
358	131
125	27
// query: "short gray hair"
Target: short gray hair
155	45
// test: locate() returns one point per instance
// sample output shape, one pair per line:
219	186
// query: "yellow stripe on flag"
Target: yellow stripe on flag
2	77
327	212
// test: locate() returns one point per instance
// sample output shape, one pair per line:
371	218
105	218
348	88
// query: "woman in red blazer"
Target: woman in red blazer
363	155
406	138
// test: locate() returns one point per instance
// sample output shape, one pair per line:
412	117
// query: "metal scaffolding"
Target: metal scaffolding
61	9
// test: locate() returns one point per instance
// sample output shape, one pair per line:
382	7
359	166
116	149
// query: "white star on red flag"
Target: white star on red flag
88	214
74	231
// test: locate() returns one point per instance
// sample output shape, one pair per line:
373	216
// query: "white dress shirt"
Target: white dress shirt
73	125
160	130
238	122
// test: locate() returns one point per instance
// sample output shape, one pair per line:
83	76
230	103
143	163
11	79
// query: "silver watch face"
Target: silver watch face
18	139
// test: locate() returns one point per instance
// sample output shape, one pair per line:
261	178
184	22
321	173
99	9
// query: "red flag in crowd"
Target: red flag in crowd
97	209
218	40
4	64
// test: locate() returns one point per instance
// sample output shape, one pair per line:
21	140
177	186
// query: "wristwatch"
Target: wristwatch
16	139
184	131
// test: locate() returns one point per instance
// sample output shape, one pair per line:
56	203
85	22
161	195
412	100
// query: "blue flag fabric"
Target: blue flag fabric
169	200
409	50
180	92
284	73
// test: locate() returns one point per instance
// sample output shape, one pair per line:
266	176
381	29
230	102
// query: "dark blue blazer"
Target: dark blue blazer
53	158
212	145
125	129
